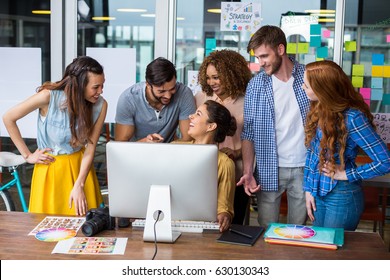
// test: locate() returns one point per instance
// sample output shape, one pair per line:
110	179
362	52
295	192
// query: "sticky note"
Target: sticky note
377	71
208	51
376	94
309	58
368	102
378	59
326	33
315	41
376	82
357	82
386	99
322	52
388	38
358	70
386	71
365	92
319	59
211	43
291	48
303	47
350	46
315	29
252	53
255	67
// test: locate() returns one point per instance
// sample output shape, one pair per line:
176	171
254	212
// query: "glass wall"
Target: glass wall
199	30
367	51
27	24
118	24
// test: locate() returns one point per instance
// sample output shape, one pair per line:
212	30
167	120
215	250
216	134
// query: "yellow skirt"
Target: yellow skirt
51	186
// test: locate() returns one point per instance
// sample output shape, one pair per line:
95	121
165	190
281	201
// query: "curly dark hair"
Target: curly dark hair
232	69
226	123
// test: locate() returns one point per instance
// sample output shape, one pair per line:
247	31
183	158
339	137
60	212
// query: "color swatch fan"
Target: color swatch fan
55	234
294	231
306	236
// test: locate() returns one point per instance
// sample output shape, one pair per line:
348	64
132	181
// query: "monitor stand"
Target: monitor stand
159	200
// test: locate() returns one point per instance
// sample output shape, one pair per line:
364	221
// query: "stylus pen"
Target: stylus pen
240	233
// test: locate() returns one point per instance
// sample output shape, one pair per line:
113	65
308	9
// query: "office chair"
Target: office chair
374	210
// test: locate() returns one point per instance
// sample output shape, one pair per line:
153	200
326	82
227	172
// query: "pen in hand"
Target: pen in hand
240	233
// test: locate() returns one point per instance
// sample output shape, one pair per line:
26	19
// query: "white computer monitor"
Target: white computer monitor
184	178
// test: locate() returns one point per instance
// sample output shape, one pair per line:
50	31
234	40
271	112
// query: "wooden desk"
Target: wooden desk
16	244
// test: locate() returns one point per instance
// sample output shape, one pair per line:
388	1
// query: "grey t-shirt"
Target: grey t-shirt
133	109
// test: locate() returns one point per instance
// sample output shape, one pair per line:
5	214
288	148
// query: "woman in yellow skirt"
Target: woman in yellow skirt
70	119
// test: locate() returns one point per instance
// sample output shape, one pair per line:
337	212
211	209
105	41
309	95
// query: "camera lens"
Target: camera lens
93	226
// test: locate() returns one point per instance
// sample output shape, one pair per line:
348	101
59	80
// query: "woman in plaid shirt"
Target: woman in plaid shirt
338	123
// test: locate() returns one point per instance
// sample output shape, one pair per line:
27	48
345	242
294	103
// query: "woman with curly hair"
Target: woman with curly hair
71	114
223	76
338	123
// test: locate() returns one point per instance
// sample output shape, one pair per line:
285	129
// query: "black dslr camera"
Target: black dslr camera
97	219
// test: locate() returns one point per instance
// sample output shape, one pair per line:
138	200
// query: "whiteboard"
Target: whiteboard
20	75
120	72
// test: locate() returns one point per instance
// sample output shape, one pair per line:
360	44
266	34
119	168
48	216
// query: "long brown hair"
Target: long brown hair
73	83
335	94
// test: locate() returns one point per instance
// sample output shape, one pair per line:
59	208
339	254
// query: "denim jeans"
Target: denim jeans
268	203
341	208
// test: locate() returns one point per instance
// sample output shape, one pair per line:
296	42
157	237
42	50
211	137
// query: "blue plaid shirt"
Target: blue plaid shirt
259	123
360	134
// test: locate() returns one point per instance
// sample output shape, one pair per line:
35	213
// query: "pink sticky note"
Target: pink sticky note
388	38
365	92
254	67
326	33
368	102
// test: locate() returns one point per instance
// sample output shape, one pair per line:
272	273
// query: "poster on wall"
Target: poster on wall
382	122
192	79
237	16
298	25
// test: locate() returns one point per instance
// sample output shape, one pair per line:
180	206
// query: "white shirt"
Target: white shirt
290	134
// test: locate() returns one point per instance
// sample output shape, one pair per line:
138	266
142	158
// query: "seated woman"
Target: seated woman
210	124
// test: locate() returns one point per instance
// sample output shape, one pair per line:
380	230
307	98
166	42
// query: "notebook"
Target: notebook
307	236
241	235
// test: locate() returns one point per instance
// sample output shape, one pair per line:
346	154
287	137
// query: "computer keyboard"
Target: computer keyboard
184	226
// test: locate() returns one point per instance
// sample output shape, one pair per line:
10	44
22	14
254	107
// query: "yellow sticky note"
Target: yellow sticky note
350	46
357	81
291	48
377	71
303	47
252	53
386	71
358	70
319	59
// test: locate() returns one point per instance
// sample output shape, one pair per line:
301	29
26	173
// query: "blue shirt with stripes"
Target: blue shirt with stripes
360	134
259	123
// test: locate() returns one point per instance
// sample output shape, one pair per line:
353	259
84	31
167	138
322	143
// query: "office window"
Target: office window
199	30
118	24
366	56
27	24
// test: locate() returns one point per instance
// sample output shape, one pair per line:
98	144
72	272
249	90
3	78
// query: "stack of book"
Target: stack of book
307	236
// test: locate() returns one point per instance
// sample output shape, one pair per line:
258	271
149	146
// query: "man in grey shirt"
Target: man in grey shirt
151	111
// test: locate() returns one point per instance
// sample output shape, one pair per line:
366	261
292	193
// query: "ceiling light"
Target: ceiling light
180	18
214	11
103	18
148	15
326	20
41	12
321	11
125	10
